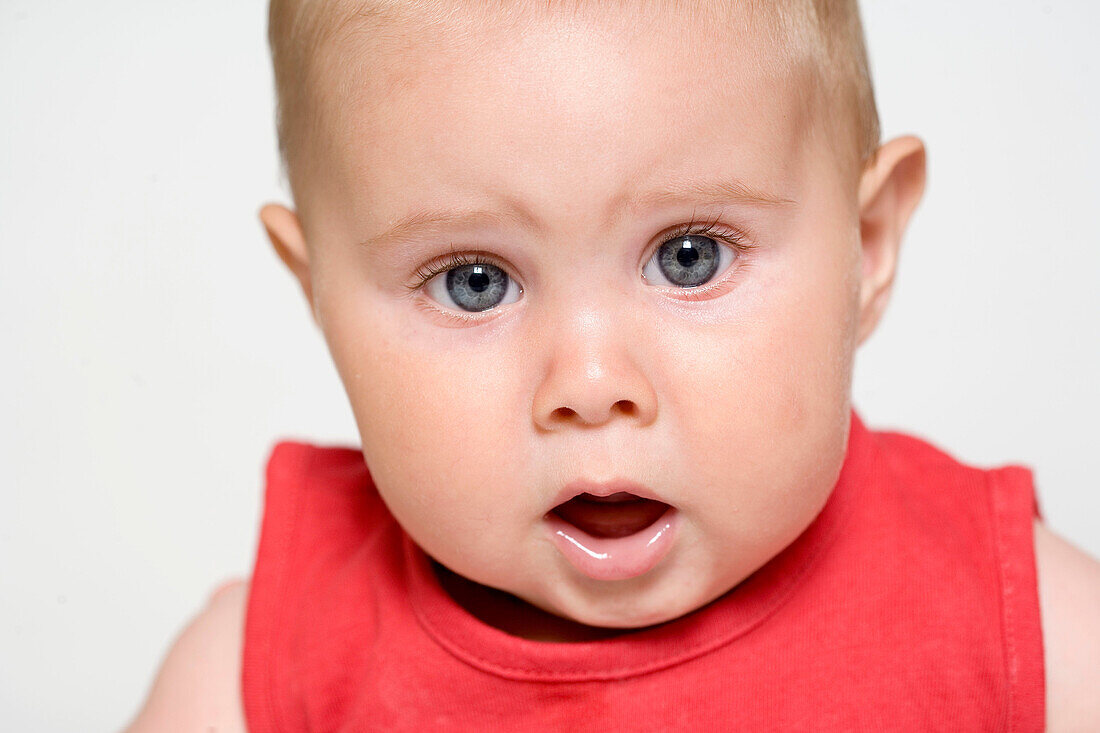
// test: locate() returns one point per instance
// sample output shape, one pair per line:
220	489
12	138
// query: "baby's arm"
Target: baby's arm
1069	601
198	686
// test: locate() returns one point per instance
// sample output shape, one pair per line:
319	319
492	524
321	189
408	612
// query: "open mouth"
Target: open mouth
618	515
612	535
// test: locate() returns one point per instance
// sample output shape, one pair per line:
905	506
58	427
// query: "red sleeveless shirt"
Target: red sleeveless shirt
910	603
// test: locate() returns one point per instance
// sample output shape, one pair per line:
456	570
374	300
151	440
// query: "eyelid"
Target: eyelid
455	257
734	237
457	318
731	276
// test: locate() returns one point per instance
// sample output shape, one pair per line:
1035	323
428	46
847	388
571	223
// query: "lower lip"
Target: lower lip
614	558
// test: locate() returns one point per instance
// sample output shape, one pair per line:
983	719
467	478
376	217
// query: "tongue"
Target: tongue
619	519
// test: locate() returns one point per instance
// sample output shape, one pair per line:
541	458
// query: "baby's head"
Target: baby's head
560	242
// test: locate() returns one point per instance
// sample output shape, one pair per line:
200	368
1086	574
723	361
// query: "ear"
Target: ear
889	190
286	235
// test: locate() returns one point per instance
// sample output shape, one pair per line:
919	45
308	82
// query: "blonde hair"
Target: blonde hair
827	34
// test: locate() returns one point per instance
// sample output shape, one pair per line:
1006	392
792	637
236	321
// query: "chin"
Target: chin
624	610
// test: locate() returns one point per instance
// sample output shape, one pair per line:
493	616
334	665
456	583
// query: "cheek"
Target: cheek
762	397
436	424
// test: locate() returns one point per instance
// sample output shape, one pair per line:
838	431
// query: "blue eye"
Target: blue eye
473	287
687	261
691	257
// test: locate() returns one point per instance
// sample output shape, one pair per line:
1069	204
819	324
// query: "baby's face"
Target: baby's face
581	334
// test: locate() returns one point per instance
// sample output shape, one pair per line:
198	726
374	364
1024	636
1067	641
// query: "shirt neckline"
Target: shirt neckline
728	617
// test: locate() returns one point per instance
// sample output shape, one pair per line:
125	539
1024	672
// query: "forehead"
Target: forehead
603	102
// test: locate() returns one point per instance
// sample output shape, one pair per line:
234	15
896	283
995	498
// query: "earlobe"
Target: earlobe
285	232
890	188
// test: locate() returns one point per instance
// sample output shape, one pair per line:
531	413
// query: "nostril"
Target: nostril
564	413
626	407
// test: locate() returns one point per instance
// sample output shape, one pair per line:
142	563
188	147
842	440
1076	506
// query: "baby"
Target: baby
593	274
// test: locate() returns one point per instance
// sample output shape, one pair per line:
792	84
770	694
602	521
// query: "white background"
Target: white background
154	348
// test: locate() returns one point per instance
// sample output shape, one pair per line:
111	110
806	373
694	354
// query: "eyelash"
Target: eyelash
731	237
451	260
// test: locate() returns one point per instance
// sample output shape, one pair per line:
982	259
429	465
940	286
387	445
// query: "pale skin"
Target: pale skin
591	365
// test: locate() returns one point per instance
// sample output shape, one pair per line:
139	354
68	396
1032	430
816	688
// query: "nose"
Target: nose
591	377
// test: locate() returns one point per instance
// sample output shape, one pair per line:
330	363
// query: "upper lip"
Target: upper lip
605	488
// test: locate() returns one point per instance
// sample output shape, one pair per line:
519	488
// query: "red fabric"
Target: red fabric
910	603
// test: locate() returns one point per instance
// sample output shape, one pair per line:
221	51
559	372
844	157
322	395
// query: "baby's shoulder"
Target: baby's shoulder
1069	603
198	686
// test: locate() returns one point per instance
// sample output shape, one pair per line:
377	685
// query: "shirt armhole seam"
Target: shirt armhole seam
1002	487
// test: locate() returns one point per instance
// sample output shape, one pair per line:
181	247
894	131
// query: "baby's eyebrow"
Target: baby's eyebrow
711	192
424	223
